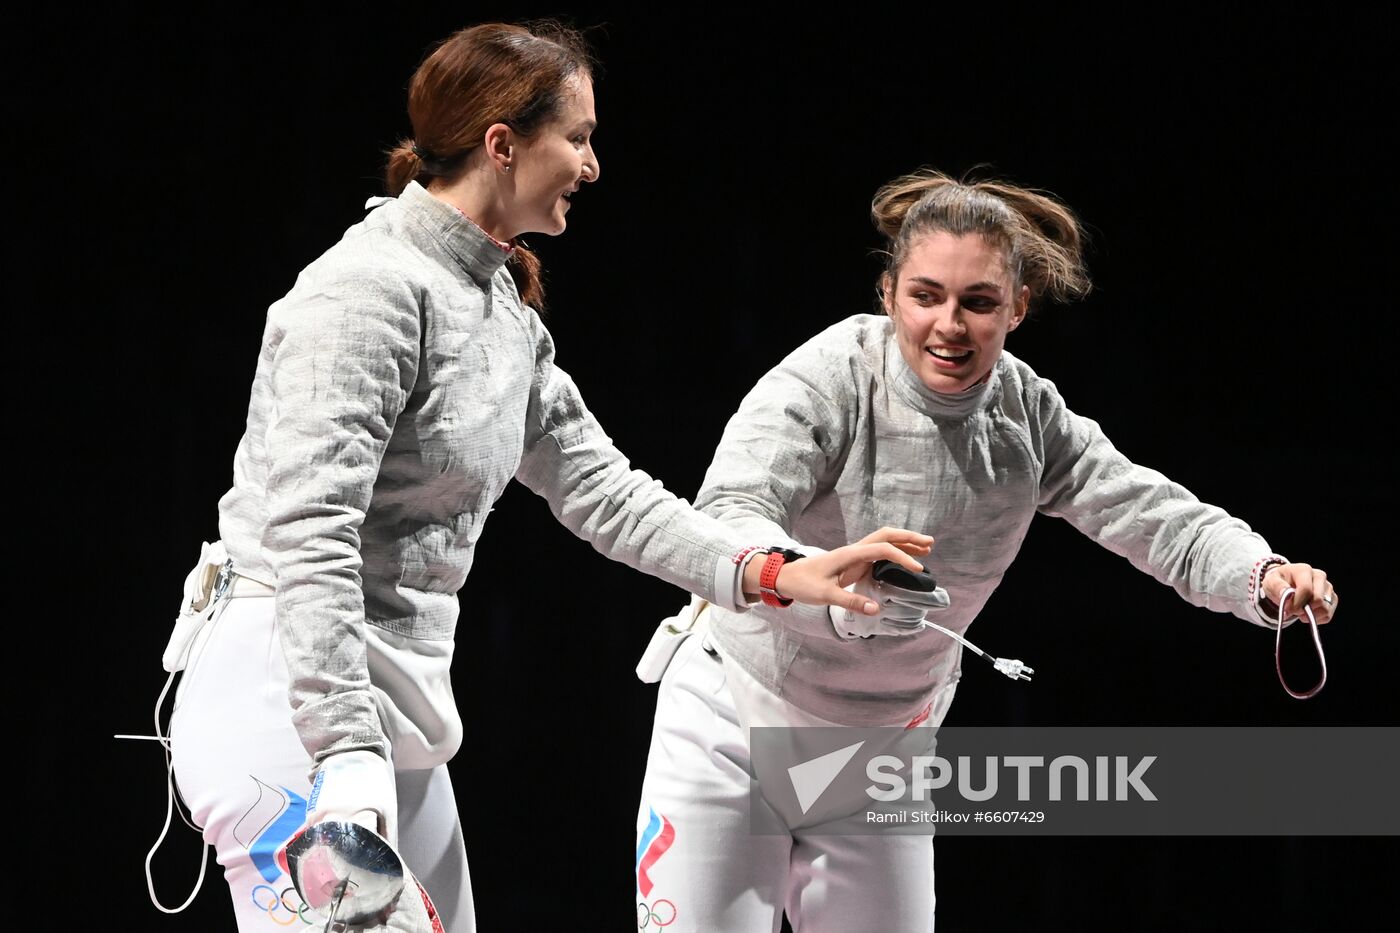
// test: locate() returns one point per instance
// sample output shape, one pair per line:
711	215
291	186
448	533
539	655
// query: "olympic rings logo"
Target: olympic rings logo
278	902
661	916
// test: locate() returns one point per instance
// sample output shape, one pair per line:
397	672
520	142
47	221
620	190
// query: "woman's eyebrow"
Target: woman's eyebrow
934	283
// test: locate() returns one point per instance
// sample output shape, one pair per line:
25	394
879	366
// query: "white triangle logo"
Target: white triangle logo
810	778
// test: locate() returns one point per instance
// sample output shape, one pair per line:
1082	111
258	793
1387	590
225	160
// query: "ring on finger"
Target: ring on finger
1327	599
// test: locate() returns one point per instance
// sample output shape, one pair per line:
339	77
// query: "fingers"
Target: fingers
894	544
1324	601
852	562
853	602
853	573
911	542
1311	589
1330	600
888	552
820	579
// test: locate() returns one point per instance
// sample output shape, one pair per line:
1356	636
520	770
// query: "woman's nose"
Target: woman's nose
949	321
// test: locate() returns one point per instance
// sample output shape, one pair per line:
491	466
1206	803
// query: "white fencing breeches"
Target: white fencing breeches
245	775
700	869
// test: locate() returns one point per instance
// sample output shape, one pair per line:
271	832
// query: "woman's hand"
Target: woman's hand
821	580
1311	588
356	787
910	542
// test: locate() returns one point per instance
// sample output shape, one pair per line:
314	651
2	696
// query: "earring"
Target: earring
507	169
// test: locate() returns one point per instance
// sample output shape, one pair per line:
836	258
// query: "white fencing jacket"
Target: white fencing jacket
841	438
401	385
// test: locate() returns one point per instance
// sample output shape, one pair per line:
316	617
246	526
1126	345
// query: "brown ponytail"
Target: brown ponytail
527	271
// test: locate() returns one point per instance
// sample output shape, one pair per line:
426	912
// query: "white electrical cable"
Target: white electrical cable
1016	670
164	741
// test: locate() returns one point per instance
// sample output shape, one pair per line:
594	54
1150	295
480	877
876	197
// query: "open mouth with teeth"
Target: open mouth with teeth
949	357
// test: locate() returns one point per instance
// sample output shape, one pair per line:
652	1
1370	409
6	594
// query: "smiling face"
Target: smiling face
549	166
953	304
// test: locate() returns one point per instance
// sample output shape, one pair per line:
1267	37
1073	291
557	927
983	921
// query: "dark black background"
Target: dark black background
1240	200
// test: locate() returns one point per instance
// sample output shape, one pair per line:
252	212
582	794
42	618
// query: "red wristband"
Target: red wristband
768	580
768	576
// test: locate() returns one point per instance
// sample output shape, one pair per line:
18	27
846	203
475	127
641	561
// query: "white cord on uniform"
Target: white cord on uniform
203	853
207	590
164	741
1016	670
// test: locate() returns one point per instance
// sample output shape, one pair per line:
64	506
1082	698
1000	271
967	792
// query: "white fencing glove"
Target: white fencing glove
356	787
901	612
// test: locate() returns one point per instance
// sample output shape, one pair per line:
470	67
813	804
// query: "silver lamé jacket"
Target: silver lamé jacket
400	387
841	438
